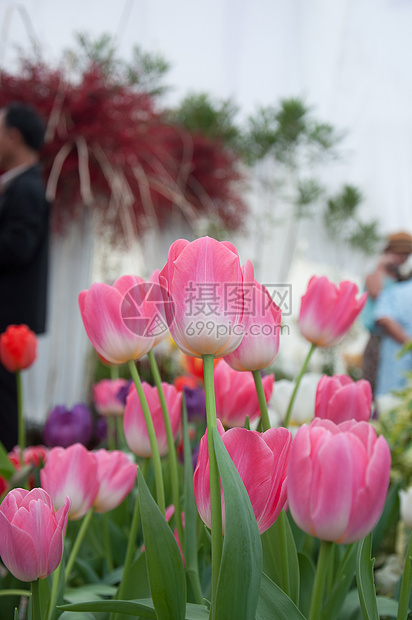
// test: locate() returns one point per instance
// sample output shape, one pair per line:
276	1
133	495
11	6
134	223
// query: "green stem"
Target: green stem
215	497
114	372
107	543
77	543
264	415
330	577
191	515
111	432
152	437
54	591
35	600
283	552
320	578
174	476
20	415
406	584
297	383
121	442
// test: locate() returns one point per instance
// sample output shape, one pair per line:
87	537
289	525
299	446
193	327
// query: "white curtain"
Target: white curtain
60	375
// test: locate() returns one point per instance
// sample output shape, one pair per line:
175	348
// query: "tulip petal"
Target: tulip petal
331	500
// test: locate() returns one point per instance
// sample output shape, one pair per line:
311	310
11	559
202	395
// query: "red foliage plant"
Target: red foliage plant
108	148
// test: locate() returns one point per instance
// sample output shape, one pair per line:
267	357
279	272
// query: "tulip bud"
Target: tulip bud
328	311
18	346
339	398
71	471
338	478
31	533
261	460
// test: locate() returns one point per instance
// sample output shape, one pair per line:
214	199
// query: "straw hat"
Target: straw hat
399	243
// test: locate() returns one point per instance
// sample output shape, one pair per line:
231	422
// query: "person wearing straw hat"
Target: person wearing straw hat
388	271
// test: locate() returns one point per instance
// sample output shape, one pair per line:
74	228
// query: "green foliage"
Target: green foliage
164	562
279	552
274	604
287	130
342	222
364	579
214	118
396	425
145	71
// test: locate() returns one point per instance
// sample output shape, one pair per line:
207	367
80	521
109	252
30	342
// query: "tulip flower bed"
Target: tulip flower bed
256	525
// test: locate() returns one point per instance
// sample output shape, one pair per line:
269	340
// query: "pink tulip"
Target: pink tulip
105	396
157	308
117	319
260	345
339	398
116	475
235	395
205	284
261	460
31	533
134	423
71	471
328	311
338	477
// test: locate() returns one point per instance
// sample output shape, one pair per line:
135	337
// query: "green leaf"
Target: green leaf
69	615
191	515
364	578
343	581
274	604
388	519
89	592
351	610
7	468
307	579
279	550
387	606
241	564
164	561
143	608
44	593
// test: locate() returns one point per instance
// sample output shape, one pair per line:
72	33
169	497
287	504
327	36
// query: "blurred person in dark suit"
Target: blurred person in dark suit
24	241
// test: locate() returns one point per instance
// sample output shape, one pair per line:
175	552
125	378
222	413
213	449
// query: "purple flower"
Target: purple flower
101	429
195	403
65	427
123	392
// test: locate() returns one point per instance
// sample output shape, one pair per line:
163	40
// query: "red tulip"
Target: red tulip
261	460
260	345
135	429
31	533
235	395
73	472
18	347
205	290
338	478
116	475
117	319
339	398
328	311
